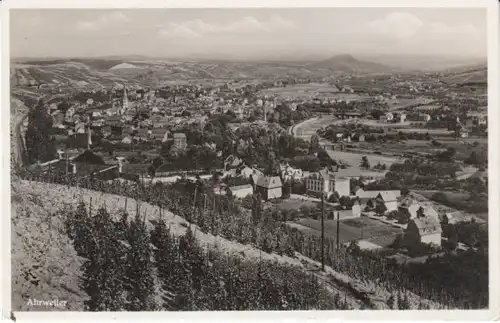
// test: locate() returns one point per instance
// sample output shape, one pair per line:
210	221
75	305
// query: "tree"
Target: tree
447	155
474	159
364	163
334	198
103	269
39	142
314	143
391	302
346	202
403	302
376	114
138	273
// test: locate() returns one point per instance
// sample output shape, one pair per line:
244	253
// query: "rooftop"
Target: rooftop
269	182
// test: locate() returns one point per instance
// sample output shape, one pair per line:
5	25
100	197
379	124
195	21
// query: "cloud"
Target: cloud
197	28
102	21
443	29
396	25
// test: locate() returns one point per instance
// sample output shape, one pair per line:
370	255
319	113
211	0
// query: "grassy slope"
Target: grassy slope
40	246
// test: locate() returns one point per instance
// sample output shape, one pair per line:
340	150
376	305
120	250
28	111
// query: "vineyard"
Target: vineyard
123	259
224	216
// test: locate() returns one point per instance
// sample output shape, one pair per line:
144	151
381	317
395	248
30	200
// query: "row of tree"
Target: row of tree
129	268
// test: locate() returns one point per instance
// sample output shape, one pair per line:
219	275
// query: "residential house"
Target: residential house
241	191
57	119
476	119
96	114
423	229
354	212
365	196
113	120
130	171
379	201
326	182
270	187
424	117
249	172
128	131
142	134
127	139
160	134
386	201
388	117
461	131
106	131
428	212
232	162
80	127
289	173
402	117
454	217
408	208
180	140
358	137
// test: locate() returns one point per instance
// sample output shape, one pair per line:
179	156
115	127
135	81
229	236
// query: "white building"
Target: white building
424	229
326	182
289	173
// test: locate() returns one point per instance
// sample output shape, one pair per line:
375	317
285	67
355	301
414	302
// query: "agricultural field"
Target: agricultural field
291	204
427	107
306	91
362	228
354	159
397	104
399	148
433	131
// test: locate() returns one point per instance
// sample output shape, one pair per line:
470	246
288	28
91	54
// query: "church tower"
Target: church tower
125	100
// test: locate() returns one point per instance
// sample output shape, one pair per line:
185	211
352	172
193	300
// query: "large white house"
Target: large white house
424	229
326	182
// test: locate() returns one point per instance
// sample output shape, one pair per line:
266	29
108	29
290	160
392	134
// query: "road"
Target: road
19	148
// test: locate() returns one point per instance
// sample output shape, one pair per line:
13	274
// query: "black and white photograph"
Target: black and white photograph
250	159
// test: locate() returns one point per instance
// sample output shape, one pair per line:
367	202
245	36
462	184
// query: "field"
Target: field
309	127
354	159
396	104
291	204
427	107
311	90
362	228
433	131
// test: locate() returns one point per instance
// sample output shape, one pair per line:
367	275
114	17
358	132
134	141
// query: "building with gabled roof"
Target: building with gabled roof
180	140
365	196
326	182
424	229
408	207
270	187
160	134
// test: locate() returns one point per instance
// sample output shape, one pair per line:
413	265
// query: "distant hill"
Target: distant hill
348	64
123	66
465	76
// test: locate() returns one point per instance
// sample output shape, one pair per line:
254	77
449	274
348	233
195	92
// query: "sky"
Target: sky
248	33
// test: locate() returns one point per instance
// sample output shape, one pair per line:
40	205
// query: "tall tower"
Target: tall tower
125	99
